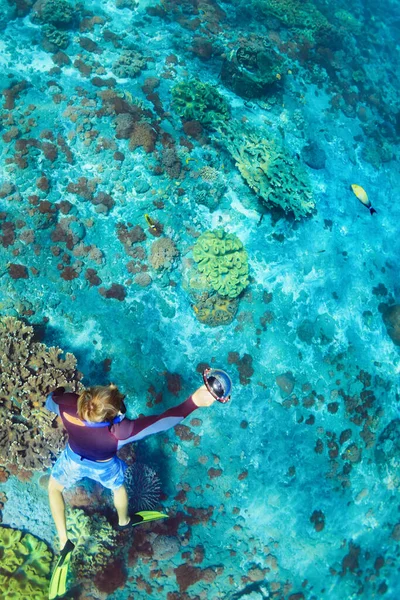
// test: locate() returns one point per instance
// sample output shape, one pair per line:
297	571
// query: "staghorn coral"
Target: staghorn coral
269	171
162	254
29	371
222	260
25	564
94	540
194	100
143	487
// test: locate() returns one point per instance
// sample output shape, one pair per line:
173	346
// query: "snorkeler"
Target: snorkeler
97	428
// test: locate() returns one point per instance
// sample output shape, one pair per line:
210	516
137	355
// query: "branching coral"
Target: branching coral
269	171
162	254
94	539
222	260
25	564
30	436
194	100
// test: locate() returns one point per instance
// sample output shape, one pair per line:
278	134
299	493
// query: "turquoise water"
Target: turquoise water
253	120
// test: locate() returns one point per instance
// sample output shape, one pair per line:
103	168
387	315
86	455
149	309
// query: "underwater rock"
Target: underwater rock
25	565
28	372
116	291
286	383
391	319
387	454
165	547
141	186
314	156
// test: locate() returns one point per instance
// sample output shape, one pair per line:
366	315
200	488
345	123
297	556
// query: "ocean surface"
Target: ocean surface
175	194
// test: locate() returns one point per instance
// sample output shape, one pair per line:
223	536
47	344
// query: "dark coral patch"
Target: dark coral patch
116	291
17	271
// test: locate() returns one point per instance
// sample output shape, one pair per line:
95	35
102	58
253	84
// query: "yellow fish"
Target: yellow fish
361	194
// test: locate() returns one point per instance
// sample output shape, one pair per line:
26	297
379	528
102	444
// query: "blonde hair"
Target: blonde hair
100	403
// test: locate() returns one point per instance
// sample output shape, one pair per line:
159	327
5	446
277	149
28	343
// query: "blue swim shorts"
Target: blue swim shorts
70	468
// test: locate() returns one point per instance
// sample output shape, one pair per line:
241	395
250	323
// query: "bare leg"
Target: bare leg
121	504
57	507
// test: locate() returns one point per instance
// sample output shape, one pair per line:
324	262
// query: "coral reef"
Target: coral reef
252	69
297	15
222	260
94	539
215	310
268	170
129	64
30	437
197	101
143	487
162	254
56	12
25	564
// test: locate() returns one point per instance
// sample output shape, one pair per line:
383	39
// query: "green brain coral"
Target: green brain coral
25	564
268	170
222	260
194	100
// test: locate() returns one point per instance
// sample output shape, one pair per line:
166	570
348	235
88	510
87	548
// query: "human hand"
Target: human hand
202	397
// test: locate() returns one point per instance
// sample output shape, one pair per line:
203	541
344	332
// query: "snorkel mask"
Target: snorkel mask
218	383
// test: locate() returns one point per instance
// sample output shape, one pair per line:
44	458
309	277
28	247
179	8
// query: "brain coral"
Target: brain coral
94	539
30	436
222	260
269	171
194	100
25	564
163	251
215	310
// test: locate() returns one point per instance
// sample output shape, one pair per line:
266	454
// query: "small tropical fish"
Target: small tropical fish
278	76
361	194
155	227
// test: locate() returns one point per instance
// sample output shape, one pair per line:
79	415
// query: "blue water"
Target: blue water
290	490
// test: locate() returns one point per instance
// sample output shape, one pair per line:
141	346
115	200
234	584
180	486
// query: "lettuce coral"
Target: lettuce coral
194	100
25	564
222	260
29	370
94	540
269	171
296	14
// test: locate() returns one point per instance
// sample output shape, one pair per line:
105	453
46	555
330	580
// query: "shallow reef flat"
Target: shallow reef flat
175	193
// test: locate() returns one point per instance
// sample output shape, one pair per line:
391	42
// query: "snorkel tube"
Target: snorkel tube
218	383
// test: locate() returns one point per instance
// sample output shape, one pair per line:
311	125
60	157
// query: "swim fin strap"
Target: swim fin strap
58	583
147	515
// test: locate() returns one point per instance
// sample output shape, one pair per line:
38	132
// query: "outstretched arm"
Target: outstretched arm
131	431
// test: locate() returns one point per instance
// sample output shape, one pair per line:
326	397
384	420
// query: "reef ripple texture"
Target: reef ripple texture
204	184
